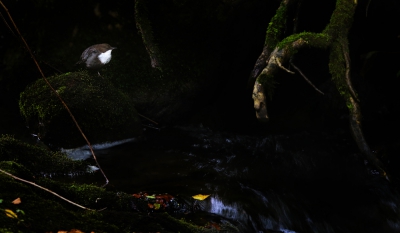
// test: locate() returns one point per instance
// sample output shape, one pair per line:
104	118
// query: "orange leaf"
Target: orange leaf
17	201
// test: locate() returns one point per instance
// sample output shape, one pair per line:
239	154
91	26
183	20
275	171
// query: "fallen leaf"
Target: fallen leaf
17	201
20	211
75	231
152	196
166	197
213	225
10	213
157	206
200	196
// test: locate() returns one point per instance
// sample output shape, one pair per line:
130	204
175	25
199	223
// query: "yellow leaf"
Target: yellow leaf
157	206
11	214
200	197
17	201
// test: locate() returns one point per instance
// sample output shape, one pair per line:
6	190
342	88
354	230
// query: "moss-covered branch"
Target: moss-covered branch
144	26
333	37
274	33
281	55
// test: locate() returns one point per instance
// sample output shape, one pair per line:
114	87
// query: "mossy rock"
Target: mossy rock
103	112
38	160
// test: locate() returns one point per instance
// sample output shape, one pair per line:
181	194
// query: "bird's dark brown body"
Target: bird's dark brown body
96	56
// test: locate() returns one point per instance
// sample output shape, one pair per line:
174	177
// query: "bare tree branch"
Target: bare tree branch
45	189
283	68
291	63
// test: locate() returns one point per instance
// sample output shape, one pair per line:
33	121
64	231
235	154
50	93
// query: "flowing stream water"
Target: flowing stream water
304	182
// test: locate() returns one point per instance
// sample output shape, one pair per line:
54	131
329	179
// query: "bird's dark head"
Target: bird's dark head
102	48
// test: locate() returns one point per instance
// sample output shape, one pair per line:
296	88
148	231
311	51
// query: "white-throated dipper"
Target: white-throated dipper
96	56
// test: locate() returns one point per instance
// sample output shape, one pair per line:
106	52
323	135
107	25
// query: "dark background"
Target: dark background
222	39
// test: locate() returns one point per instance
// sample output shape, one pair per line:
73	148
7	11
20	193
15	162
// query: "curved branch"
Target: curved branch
282	54
274	33
335	37
340	22
355	116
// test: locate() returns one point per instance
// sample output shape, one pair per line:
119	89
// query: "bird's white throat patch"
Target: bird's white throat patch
105	57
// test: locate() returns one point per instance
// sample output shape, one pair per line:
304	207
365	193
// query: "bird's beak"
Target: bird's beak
113	47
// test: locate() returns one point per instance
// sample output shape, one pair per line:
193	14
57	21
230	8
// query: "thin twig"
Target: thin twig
309	82
55	194
54	68
282	67
148	119
55	92
366	9
5	21
151	127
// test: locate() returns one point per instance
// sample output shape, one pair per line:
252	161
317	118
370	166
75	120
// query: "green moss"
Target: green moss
276	26
44	214
37	159
16	169
341	19
96	104
315	40
269	83
337	68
